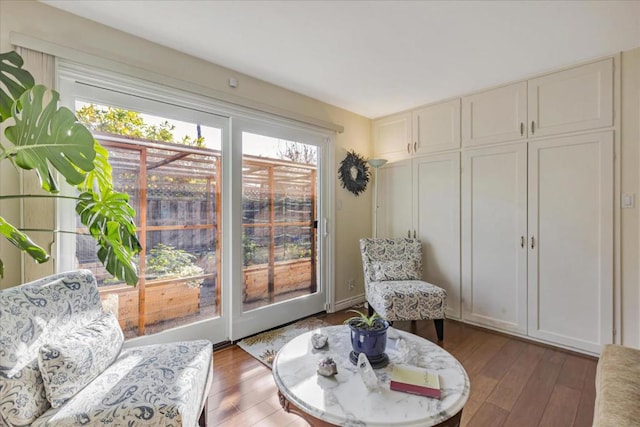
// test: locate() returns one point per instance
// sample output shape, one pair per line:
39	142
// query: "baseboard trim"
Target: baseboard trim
349	302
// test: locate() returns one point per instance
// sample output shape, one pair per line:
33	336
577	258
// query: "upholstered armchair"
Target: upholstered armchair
393	282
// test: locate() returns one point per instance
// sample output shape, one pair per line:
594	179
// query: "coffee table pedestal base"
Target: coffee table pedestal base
315	422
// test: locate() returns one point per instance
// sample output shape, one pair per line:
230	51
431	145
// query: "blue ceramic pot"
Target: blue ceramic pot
370	342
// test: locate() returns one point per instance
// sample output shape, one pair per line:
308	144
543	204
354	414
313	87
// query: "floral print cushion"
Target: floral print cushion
30	315
394	270
70	363
407	300
405	250
159	385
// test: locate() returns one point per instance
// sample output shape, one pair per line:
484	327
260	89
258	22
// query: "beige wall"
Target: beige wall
33	19
630	183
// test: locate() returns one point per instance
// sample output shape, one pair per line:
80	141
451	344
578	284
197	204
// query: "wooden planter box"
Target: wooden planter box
289	276
165	301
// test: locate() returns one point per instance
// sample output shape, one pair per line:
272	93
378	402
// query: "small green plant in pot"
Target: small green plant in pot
368	336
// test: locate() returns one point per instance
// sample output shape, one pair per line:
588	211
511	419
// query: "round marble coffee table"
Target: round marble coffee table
344	399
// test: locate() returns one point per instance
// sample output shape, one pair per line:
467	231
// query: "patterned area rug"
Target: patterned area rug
265	346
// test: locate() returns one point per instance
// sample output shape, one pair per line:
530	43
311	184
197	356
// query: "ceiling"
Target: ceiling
378	57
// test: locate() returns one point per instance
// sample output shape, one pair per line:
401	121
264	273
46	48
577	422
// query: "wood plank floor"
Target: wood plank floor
513	382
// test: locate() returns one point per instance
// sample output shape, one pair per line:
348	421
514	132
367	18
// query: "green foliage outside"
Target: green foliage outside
166	261
131	124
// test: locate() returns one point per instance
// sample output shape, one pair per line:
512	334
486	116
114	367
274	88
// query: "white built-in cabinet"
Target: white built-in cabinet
570	245
395	200
436	127
511	191
496	115
429	129
392	137
418	194
436	220
494	233
573	100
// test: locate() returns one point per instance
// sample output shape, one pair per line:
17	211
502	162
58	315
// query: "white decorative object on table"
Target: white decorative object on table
366	372
319	340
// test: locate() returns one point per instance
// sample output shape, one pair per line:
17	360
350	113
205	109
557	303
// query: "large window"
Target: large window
279	188
172	173
231	209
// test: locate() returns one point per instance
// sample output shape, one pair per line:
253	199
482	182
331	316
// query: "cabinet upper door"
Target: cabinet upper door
436	207
436	127
392	137
577	99
494	229
393	215
496	115
571	183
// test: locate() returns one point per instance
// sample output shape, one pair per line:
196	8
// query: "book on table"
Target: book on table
415	380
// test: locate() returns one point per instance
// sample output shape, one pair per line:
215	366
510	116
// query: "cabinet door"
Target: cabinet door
573	100
494	229
392	137
497	115
436	127
571	256
436	196
394	200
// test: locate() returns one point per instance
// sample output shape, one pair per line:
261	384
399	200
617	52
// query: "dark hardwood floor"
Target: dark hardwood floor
513	382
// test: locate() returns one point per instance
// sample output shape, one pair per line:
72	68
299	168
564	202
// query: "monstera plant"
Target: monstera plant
43	137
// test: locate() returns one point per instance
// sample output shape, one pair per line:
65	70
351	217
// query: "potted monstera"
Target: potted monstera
368	336
46	138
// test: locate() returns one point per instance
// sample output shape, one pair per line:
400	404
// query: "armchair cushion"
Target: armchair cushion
407	300
395	270
31	315
159	385
76	359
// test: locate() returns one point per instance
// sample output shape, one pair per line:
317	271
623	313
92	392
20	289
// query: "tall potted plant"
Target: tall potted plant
46	138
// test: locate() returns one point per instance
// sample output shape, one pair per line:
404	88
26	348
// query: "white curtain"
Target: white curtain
37	213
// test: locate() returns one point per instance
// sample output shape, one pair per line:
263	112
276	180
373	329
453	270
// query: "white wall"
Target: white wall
36	20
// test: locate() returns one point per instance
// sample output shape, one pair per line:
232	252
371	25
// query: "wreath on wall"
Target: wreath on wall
354	173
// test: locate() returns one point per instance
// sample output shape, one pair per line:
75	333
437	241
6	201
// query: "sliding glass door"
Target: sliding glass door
280	277
231	222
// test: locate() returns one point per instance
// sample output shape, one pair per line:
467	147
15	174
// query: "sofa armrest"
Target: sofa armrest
617	387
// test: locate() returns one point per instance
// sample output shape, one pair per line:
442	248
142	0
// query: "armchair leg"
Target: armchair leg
439	328
371	311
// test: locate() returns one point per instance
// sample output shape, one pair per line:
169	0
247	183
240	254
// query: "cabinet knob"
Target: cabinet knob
415	146
414	234
522	241
408	234
521	128
409	148
533	242
533	127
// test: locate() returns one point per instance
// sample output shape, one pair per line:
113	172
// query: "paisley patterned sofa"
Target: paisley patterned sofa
393	282
62	363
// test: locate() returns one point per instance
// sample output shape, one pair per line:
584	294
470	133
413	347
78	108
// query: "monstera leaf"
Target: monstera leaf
101	176
110	221
22	241
46	139
14	81
46	135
